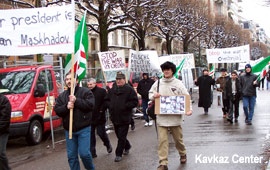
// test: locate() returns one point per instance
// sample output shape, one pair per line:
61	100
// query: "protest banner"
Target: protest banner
178	58
37	30
228	55
143	62
112	60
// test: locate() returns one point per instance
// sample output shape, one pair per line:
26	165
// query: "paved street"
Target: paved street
211	143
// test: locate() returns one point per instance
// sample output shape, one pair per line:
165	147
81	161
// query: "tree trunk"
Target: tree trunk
185	45
141	40
169	44
104	40
103	34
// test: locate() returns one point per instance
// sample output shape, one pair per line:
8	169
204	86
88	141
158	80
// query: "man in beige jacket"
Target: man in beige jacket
169	86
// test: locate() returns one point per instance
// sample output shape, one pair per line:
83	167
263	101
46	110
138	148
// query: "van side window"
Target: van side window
42	79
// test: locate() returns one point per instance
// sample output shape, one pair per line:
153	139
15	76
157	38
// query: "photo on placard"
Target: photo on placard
172	104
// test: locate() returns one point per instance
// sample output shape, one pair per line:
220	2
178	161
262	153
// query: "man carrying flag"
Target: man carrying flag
248	83
81	101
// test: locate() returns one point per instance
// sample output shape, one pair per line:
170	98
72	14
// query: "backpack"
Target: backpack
151	107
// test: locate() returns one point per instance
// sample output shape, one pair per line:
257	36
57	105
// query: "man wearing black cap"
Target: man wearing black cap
205	82
143	88
221	81
248	83
121	99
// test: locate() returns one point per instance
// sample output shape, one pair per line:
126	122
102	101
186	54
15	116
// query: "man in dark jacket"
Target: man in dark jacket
98	117
143	89
221	81
5	113
82	103
248	82
121	99
232	93
205	82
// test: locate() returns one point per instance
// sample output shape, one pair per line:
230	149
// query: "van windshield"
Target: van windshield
16	82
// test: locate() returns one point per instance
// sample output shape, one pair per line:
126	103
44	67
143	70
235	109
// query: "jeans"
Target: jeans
248	106
234	107
3	157
144	107
121	132
101	131
80	143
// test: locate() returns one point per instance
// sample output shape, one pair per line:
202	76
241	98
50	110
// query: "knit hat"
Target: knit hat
248	66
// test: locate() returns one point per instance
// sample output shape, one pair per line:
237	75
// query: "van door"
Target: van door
40	119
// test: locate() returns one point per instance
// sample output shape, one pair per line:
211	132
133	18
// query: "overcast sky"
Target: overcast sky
254	10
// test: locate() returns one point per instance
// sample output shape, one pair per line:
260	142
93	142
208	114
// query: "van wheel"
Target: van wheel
34	135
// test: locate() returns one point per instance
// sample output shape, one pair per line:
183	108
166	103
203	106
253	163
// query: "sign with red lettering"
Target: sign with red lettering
112	60
228	55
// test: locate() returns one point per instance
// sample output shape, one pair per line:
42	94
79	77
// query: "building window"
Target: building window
246	25
93	44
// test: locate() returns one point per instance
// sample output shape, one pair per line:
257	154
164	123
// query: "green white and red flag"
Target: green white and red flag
212	71
263	72
179	68
258	68
81	48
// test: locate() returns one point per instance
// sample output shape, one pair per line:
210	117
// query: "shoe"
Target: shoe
94	155
162	167
236	120
109	149
183	159
206	113
126	151
246	121
117	159
249	123
146	124
230	120
150	123
133	127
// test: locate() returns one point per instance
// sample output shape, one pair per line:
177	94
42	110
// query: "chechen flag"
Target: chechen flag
212	71
81	47
263	72
179	68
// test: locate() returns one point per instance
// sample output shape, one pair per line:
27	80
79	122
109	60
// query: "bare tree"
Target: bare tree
105	14
166	24
21	3
192	20
139	14
257	50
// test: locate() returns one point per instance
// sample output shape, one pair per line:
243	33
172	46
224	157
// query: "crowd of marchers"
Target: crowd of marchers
233	88
90	103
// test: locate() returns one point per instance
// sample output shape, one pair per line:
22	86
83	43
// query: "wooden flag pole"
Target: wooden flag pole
195	71
104	78
71	93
